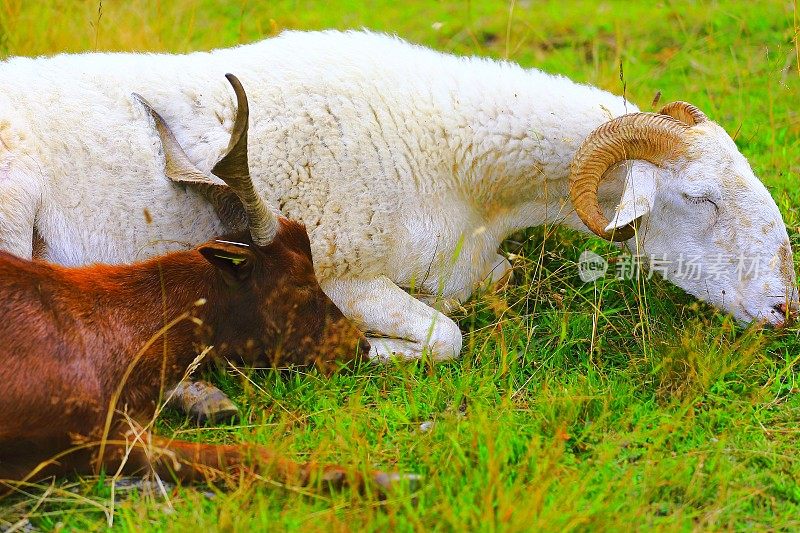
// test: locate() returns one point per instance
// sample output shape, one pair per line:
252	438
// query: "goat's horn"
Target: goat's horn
648	136
685	112
233	170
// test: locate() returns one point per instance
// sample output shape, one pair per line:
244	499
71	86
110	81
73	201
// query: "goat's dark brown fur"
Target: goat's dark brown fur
72	339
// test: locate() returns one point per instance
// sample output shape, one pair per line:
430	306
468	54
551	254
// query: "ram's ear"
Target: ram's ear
638	194
233	261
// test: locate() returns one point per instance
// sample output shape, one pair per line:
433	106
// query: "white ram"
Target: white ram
408	167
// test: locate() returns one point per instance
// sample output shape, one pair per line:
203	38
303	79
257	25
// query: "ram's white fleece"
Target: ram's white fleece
408	166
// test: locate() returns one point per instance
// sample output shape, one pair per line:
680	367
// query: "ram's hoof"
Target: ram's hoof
203	402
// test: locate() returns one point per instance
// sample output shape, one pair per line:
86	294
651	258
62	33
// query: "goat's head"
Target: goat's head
693	205
273	306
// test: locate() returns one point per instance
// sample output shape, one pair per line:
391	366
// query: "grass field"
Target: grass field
574	406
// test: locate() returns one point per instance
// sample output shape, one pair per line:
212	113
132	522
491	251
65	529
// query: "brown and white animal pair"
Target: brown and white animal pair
87	354
408	166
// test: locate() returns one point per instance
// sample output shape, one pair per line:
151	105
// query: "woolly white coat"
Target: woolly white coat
408	166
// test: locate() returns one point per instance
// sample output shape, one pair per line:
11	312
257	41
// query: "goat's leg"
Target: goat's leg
192	462
496	277
202	402
396	323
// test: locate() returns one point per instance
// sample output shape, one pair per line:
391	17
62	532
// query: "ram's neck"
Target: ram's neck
522	131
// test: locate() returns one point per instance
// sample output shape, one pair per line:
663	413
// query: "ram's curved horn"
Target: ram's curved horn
231	193
685	112
647	136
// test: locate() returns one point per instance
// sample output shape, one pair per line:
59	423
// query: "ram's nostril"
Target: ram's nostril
779	308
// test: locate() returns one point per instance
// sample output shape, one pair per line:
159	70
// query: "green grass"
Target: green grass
573	407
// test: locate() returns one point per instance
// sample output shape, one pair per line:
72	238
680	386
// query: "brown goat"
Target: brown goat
86	354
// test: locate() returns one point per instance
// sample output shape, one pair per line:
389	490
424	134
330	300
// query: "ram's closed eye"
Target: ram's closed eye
699	200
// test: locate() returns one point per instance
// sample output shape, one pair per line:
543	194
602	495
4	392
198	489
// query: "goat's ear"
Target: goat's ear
234	262
638	195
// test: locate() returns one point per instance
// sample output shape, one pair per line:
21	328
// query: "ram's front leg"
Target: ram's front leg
396	323
494	279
